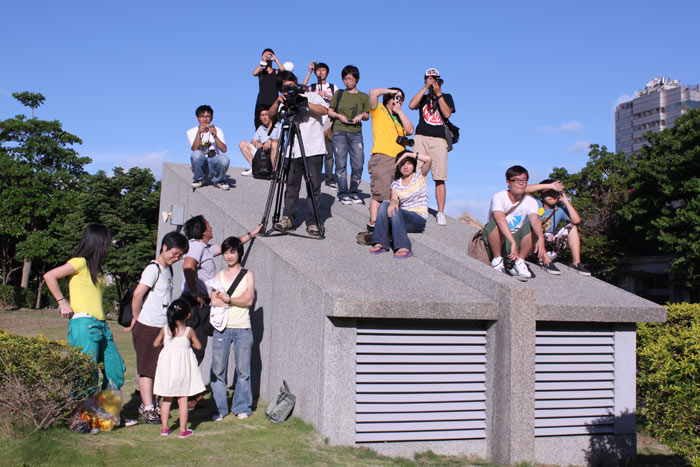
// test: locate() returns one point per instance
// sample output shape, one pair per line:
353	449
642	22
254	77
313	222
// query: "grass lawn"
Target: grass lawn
254	441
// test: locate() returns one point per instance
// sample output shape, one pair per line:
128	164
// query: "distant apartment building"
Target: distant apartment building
654	108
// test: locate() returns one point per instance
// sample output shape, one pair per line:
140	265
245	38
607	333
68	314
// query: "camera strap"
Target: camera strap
237	281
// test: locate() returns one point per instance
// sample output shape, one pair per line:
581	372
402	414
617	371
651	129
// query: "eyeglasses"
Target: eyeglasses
521	181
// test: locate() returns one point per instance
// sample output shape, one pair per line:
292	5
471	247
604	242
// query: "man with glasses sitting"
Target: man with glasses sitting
512	220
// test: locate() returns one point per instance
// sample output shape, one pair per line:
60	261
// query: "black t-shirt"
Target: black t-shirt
267	83
430	121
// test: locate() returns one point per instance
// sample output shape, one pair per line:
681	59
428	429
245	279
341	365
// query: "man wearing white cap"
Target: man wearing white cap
435	106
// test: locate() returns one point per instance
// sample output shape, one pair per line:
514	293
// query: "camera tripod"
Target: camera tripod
290	132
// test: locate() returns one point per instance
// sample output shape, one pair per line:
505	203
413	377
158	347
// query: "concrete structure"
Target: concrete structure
654	108
438	352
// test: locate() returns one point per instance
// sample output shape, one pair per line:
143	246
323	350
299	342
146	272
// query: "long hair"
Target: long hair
94	246
178	310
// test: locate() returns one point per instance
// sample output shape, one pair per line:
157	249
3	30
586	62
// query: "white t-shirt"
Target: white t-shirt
207	139
311	129
326	92
153	310
501	202
203	254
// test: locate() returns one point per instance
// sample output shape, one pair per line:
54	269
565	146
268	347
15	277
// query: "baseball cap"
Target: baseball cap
432	72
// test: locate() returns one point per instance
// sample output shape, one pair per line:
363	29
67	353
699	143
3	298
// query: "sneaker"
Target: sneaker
216	417
285	224
356	199
551	268
151	417
242	416
311	229
247	173
581	269
346	200
521	270
142	408
185	434
332	185
497	264
196	183
223	185
128	421
164	432
441	220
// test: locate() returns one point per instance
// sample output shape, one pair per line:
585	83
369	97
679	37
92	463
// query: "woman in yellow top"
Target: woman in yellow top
87	327
238	331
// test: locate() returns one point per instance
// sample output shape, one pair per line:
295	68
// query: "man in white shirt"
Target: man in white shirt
208	145
310	127
326	90
512	220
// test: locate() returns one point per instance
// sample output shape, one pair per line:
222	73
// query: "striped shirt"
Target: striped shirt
413	197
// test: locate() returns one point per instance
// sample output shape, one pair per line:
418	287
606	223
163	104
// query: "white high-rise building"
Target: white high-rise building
654	108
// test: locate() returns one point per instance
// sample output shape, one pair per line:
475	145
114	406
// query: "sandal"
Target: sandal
406	254
378	249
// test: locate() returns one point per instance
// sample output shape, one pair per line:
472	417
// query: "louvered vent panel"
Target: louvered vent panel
574	382
415	384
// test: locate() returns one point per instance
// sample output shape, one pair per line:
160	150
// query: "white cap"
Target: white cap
432	72
289	66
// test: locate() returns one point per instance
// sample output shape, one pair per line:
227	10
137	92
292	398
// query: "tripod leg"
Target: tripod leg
313	185
278	180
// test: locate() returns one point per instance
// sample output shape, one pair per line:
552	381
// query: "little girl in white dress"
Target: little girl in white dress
177	373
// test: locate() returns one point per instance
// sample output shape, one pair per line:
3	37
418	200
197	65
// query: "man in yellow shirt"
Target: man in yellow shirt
388	123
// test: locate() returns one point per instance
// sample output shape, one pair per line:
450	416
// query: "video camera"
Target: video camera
294	98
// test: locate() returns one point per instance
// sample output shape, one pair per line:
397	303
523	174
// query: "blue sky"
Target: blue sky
533	82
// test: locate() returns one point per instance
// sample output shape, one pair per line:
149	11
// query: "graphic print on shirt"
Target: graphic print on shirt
514	222
431	115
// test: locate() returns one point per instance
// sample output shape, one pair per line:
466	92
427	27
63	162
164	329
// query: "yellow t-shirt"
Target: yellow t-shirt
238	316
85	296
386	128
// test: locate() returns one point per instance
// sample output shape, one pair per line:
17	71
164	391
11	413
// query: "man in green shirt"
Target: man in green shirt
348	108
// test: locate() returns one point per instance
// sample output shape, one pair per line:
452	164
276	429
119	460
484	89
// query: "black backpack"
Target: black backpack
125	312
262	164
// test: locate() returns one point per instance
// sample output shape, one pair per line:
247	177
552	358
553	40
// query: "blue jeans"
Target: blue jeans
399	224
345	142
242	347
214	167
95	338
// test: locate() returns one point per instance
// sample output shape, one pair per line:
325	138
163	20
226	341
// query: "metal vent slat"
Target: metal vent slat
574	382
415	384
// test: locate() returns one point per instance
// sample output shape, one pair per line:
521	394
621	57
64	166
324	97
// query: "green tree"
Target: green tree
40	175
664	204
128	203
598	192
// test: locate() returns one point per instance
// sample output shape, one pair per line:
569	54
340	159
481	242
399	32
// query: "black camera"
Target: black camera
405	141
294	98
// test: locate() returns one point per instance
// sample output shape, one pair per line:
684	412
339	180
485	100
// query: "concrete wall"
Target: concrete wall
311	294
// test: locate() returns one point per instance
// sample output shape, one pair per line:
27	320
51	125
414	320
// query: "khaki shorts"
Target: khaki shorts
382	169
436	148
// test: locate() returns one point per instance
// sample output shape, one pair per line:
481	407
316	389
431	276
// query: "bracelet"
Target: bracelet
440	96
62	298
250	237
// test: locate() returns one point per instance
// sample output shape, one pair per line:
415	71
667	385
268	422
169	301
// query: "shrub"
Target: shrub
8	297
667	379
42	381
